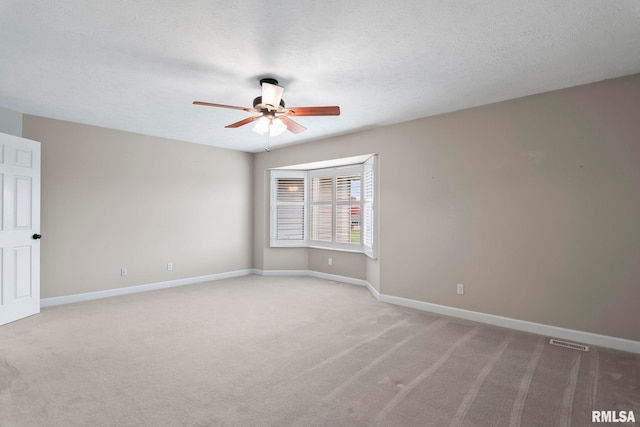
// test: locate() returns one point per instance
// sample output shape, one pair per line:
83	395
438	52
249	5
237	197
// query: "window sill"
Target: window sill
326	248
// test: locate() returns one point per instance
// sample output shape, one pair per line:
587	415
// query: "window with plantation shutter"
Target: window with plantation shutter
288	208
330	208
335	208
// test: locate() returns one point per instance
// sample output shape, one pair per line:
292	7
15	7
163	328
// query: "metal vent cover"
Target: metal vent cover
568	344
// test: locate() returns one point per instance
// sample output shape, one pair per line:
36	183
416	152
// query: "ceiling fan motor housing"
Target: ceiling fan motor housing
258	100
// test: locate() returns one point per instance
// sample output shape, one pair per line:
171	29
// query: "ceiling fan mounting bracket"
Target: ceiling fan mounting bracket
268	80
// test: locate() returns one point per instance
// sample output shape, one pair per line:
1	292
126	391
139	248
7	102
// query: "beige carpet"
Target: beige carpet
255	351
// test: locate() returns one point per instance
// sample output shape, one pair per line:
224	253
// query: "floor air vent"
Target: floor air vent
567	344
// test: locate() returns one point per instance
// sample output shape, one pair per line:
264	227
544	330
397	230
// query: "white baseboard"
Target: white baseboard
280	272
320	275
520	325
490	319
505	322
68	299
344	279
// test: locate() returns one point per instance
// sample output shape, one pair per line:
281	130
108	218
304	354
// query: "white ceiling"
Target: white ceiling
139	65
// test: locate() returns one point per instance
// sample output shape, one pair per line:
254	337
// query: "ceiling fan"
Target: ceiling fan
274	117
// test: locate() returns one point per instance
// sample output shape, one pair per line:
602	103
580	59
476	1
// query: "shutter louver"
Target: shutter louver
290	224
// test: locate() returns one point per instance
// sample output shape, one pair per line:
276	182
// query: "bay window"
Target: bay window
329	208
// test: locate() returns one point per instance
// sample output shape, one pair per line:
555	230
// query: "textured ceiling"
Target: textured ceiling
139	65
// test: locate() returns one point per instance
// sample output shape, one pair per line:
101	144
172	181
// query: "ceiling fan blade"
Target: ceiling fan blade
291	125
271	95
242	122
313	111
209	104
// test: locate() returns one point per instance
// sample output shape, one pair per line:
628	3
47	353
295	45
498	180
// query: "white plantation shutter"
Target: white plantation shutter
321	212
288	208
348	208
368	193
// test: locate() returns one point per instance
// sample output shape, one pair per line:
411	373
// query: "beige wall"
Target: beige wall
348	264
533	204
113	199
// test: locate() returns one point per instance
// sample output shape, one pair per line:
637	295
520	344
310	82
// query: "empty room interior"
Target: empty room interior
445	232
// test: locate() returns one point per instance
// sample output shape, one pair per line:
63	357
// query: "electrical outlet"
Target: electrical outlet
330	261
169	266
123	271
460	289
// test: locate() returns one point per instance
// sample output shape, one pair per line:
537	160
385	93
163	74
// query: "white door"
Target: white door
19	228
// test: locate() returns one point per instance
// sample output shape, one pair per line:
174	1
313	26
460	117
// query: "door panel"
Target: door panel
23	194
19	221
23	284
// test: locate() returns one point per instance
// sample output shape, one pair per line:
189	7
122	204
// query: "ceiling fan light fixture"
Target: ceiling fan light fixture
262	126
277	127
273	126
